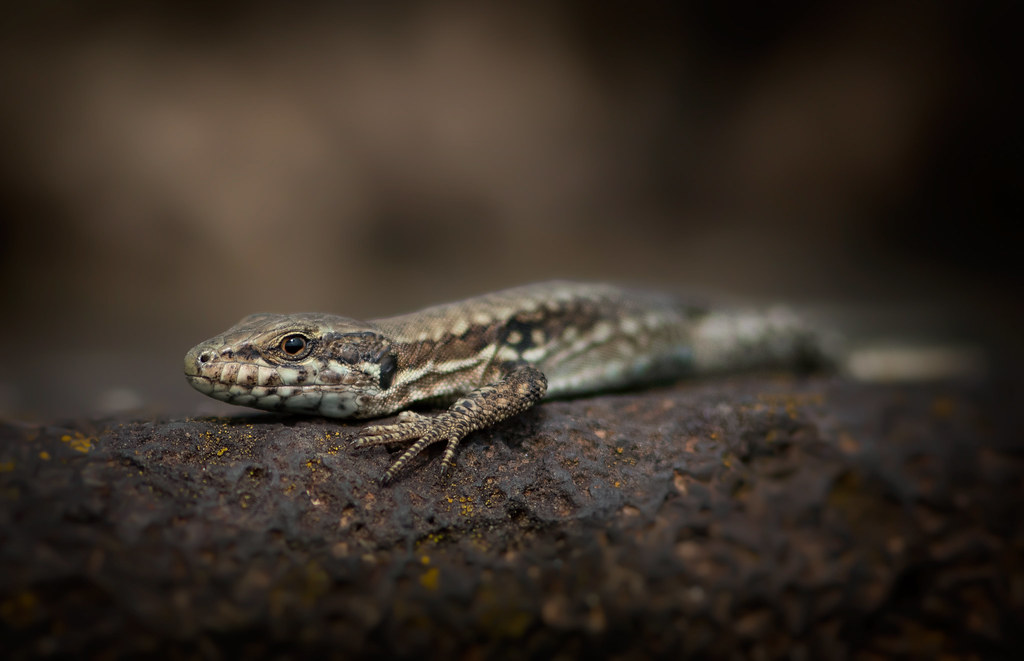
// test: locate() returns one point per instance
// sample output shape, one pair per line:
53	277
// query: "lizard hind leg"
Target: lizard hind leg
520	388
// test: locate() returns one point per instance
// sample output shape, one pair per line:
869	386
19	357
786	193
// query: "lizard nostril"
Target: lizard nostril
204	357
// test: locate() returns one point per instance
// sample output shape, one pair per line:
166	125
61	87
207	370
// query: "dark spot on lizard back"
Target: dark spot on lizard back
388	367
518	334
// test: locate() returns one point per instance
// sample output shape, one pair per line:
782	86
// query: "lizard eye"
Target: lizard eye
293	344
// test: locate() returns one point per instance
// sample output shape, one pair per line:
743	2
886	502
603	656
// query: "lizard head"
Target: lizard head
303	363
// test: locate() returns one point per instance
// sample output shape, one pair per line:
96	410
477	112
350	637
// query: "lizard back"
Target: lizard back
583	337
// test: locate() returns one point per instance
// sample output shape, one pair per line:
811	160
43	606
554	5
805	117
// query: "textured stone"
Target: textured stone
768	517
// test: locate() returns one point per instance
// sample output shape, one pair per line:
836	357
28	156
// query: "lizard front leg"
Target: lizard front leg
519	388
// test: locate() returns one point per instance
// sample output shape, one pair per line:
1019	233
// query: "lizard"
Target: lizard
485	359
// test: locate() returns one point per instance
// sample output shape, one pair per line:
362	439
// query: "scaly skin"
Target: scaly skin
486	358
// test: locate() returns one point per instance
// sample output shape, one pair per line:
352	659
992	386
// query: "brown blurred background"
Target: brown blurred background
168	169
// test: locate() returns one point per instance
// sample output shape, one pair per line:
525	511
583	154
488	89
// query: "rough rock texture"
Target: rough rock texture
760	517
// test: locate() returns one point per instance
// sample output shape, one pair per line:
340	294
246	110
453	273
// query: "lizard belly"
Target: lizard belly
592	373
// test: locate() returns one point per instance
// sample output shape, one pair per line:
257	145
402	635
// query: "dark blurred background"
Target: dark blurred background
166	169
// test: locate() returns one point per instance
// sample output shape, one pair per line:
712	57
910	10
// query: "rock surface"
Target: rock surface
763	516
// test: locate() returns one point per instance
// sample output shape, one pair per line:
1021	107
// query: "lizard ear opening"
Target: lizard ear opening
388	367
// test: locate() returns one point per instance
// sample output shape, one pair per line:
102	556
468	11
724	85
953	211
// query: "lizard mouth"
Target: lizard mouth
305	399
232	390
203	384
207	374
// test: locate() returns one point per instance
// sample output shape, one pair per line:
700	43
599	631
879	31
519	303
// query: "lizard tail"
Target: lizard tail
736	340
777	338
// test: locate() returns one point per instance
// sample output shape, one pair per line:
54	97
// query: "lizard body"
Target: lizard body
485	358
